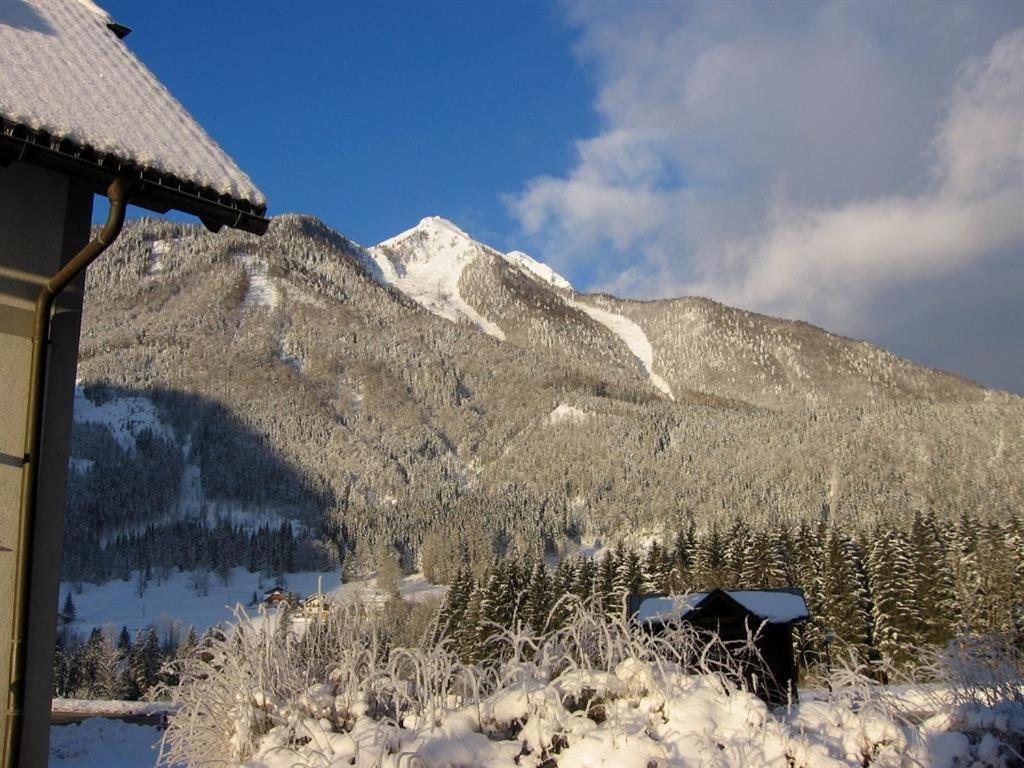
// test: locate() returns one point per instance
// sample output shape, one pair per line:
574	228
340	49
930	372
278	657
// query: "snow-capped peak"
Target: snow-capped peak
431	227
537	269
426	262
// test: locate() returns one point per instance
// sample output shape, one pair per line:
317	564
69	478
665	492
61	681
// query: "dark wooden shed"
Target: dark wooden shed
732	616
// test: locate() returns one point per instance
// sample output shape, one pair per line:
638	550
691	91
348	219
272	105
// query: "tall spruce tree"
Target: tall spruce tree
893	584
845	605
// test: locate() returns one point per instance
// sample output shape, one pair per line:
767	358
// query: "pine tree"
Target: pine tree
808	566
99	661
737	545
681	576
655	569
966	576
453	609
933	582
895	619
539	598
603	584
844	597
69	611
468	641
145	660
763	564
583	580
710	562
628	577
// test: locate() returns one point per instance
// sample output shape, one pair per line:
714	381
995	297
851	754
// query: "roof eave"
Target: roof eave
155	191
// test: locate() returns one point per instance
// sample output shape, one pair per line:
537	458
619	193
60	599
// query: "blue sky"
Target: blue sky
859	165
374	115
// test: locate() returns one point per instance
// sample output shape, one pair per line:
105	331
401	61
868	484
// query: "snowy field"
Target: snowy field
700	727
100	743
175	604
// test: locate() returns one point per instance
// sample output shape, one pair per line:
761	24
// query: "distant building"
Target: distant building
277	595
316	606
80	115
732	616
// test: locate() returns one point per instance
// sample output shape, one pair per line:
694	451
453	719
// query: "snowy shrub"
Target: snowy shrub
597	691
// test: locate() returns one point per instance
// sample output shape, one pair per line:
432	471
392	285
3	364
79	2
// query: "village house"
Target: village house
316	606
277	595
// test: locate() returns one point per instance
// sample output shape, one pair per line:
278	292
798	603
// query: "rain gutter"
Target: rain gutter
119	192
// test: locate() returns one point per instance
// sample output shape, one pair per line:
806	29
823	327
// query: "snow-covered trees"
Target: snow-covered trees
892	594
378	424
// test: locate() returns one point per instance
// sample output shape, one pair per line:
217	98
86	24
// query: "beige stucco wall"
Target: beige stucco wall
44	219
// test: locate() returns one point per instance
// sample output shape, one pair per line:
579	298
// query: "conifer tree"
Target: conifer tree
680	578
69	611
628	574
453	609
933	583
895	618
710	561
655	569
584	579
468	642
603	588
737	545
99	661
844	597
539	598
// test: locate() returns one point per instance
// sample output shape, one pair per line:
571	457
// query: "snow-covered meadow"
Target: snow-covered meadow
175	604
102	743
595	693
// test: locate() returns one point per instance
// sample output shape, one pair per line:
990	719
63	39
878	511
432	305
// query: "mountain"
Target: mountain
433	389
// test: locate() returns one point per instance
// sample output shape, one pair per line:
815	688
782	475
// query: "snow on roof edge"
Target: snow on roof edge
775	606
64	74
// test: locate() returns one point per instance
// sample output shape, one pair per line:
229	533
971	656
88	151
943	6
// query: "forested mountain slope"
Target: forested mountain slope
433	384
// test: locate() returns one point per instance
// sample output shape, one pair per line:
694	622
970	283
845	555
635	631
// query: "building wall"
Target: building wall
44	221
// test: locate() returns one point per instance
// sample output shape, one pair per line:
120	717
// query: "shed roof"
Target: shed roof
776	606
70	87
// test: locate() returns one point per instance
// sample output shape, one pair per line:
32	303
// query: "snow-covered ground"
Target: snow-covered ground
124	416
102	743
174	603
537	269
262	292
157	250
632	336
639	715
426	263
563	413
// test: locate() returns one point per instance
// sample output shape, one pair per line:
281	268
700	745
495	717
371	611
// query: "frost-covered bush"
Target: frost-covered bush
596	692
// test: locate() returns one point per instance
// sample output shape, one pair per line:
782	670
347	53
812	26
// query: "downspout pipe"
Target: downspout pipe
118	193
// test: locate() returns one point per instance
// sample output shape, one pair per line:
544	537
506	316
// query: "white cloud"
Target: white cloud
794	161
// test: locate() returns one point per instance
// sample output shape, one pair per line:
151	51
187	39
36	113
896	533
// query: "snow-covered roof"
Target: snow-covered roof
668	607
65	76
773	606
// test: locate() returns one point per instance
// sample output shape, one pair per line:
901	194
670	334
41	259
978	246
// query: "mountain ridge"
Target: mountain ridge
394	422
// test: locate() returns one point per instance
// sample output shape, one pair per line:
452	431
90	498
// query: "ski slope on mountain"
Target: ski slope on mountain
426	262
632	336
